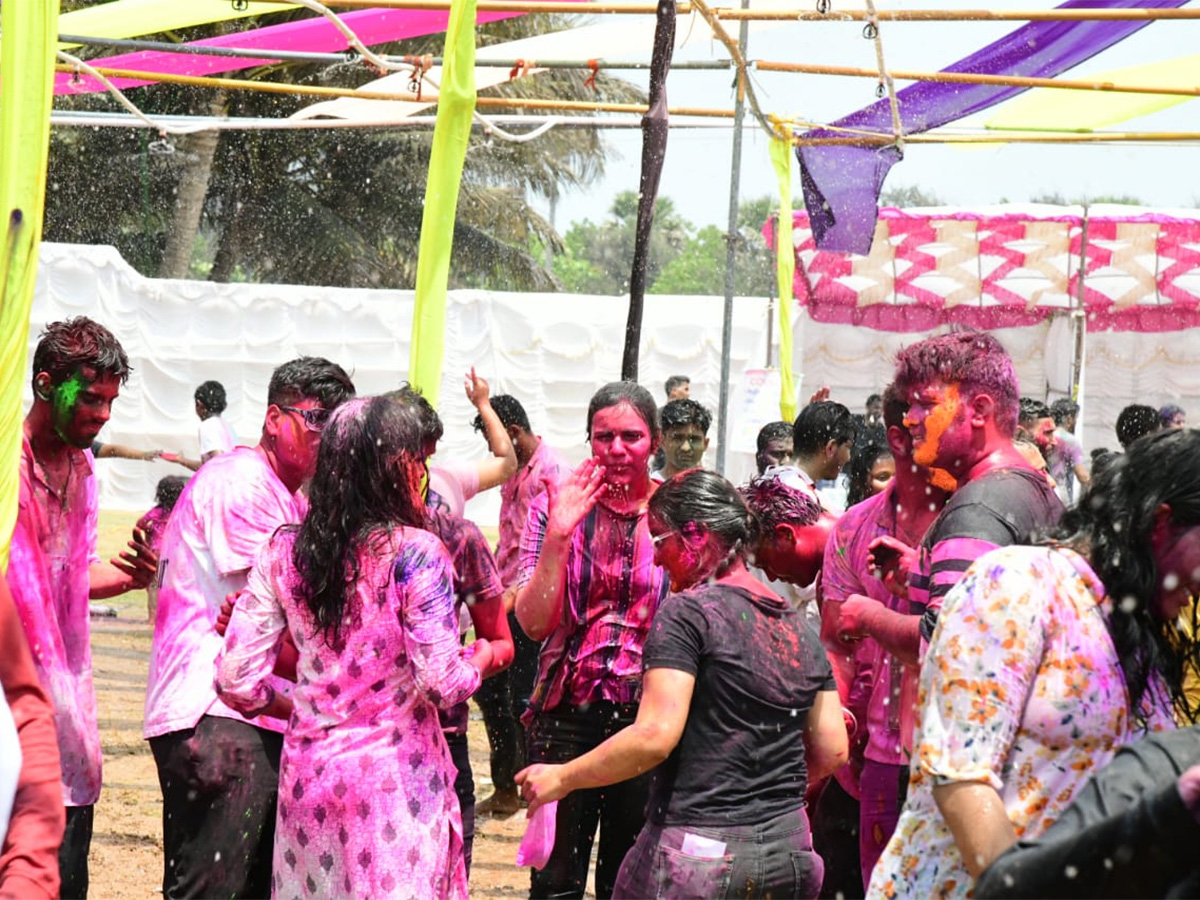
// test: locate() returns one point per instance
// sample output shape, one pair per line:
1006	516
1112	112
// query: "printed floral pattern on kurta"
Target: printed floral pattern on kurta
1021	690
366	799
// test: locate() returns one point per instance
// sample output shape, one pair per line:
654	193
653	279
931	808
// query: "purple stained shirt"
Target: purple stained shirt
546	464
475	578
53	544
880	681
613	589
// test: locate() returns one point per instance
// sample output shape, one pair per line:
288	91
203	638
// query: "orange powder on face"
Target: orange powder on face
936	423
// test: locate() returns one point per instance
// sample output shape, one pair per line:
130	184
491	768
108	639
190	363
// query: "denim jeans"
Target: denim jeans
771	859
620	809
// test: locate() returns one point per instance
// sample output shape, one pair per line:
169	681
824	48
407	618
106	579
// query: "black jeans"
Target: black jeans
73	852
835	823
464	788
503	699
220	784
559	736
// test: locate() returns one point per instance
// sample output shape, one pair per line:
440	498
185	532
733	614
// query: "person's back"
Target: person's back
741	757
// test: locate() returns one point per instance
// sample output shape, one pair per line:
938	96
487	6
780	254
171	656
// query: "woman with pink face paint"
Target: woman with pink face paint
589	589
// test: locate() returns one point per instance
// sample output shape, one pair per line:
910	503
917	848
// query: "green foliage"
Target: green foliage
908	197
324	207
596	258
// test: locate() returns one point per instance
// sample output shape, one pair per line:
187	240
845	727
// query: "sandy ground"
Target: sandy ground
126	860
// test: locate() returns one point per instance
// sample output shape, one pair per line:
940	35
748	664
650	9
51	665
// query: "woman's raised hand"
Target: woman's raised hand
574	497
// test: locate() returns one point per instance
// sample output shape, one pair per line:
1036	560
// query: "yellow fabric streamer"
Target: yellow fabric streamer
785	272
1047	109
28	30
130	18
451	132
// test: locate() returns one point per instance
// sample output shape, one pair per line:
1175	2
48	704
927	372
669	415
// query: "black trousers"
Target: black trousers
503	699
220	784
73	853
560	736
835	824
464	788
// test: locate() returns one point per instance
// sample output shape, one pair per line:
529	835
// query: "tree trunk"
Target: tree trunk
189	199
226	257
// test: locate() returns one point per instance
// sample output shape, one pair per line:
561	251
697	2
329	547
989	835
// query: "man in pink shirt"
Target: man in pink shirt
504	697
219	773
873	682
54	569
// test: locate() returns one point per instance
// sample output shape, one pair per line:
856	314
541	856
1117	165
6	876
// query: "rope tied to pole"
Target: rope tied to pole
871	33
590	81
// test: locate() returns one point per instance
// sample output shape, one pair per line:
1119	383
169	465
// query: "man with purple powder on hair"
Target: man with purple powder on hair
962	397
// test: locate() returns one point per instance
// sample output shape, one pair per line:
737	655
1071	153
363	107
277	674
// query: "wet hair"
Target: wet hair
895	407
1168	413
973	360
1135	421
1101	457
431	422
873	399
617	392
1063	409
167	491
772	431
820	423
776	503
510	412
869	448
211	395
365	485
1031	410
310	377
67	345
1112	526
676	381
710	501
678	413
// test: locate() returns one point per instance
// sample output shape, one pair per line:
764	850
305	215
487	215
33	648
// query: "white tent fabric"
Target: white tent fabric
549	351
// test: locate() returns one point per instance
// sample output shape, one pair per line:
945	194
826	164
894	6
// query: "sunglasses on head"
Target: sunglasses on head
314	419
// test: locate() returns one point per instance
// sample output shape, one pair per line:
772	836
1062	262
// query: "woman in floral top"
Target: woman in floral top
366	798
1046	660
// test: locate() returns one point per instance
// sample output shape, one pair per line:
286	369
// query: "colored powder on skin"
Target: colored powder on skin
66	397
936	423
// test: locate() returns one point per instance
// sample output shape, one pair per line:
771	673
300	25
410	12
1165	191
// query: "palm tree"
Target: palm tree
330	207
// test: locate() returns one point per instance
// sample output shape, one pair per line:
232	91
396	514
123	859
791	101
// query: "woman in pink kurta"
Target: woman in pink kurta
366	800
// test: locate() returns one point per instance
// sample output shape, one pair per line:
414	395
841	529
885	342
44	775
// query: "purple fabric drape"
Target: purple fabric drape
842	183
654	151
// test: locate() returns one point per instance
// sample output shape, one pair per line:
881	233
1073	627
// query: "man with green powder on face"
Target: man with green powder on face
54	567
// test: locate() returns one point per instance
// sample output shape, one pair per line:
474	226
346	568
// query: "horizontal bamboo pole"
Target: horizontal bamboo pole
970	78
797	14
275	87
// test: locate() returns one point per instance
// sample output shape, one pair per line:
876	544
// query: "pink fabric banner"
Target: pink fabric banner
315	35
1141	272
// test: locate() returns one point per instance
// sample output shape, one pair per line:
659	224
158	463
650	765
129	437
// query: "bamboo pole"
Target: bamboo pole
795	15
275	87
969	78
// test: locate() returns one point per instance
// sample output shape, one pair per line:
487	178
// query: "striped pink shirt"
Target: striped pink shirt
613	589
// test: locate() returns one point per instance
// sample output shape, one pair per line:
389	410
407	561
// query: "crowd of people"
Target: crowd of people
926	651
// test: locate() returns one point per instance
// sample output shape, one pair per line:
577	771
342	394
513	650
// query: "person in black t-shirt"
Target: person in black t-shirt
738	711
